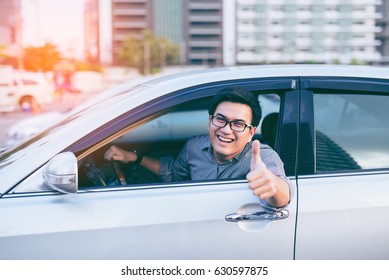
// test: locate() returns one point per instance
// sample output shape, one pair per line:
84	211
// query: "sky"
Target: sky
56	21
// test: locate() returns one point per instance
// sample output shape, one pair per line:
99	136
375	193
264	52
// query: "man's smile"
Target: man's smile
224	139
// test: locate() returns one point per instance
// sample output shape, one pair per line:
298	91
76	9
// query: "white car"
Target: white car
26	91
59	198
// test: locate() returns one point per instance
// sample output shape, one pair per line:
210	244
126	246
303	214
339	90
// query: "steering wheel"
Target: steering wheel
108	174
119	173
95	175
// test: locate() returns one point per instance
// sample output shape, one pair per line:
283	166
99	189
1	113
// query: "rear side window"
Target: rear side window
351	131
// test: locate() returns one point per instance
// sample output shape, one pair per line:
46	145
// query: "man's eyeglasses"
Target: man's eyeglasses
235	125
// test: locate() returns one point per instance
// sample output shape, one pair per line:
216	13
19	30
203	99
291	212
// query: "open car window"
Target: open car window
164	134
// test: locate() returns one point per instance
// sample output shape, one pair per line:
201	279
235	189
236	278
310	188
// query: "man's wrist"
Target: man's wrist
139	156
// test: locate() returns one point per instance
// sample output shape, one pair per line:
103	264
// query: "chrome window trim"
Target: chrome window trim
164	185
136	187
169	185
345	174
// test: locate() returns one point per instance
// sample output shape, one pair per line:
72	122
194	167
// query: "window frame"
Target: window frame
136	116
307	137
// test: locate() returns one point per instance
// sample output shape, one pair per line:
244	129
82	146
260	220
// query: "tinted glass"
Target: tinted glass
351	131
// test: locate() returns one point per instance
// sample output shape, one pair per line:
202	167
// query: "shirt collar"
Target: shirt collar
207	146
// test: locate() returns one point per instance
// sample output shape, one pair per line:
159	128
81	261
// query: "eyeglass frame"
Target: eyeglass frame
230	123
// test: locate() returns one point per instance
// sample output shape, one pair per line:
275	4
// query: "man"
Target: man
227	152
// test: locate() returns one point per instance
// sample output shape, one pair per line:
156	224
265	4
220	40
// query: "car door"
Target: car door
180	220
343	169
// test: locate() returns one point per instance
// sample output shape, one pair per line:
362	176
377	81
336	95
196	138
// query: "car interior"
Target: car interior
351	131
164	135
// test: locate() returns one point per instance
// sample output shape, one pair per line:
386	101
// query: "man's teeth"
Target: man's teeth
225	139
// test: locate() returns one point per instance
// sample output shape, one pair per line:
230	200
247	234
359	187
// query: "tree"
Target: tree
3	52
148	52
41	58
7	57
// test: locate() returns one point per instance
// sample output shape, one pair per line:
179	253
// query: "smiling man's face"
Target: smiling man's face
227	143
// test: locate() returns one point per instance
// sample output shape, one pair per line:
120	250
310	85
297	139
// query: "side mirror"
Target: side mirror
61	173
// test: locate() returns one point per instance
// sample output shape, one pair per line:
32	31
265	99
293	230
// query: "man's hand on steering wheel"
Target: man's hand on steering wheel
118	154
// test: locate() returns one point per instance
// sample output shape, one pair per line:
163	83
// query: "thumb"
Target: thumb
256	161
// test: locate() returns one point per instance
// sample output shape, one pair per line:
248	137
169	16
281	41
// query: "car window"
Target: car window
180	123
164	134
351	131
189	120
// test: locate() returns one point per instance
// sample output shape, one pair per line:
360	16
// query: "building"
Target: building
196	26
203	32
129	17
10	31
91	27
230	32
168	20
383	36
10	21
321	31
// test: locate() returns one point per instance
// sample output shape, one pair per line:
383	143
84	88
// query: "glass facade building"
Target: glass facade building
300	31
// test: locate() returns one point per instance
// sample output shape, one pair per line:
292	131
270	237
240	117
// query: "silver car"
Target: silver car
61	200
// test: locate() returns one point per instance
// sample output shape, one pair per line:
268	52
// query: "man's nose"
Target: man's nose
227	128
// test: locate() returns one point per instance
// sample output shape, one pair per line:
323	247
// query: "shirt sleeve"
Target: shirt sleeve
175	169
274	163
166	169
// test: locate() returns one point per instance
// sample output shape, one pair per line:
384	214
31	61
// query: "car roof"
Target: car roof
288	70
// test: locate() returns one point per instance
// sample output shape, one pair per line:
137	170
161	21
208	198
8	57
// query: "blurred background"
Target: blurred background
80	47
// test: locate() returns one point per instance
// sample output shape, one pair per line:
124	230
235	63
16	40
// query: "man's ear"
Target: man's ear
252	132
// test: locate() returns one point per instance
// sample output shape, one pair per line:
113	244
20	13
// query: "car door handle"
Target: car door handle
258	216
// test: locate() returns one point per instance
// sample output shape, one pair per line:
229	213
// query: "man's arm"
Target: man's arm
116	153
151	164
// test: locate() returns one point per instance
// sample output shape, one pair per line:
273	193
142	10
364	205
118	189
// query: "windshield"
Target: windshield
12	154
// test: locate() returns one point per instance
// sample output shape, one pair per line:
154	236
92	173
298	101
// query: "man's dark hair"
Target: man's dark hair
237	94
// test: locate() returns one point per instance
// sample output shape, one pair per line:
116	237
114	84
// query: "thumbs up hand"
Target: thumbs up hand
261	180
256	161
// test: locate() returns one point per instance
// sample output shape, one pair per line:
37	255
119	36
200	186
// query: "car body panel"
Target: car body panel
183	221
343	216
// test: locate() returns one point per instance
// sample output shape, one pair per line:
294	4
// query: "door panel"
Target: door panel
343	217
180	222
172	221
342	185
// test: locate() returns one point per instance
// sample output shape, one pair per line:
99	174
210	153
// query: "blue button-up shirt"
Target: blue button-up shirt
196	162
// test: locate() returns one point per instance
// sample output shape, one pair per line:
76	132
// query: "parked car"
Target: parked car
25	91
61	200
